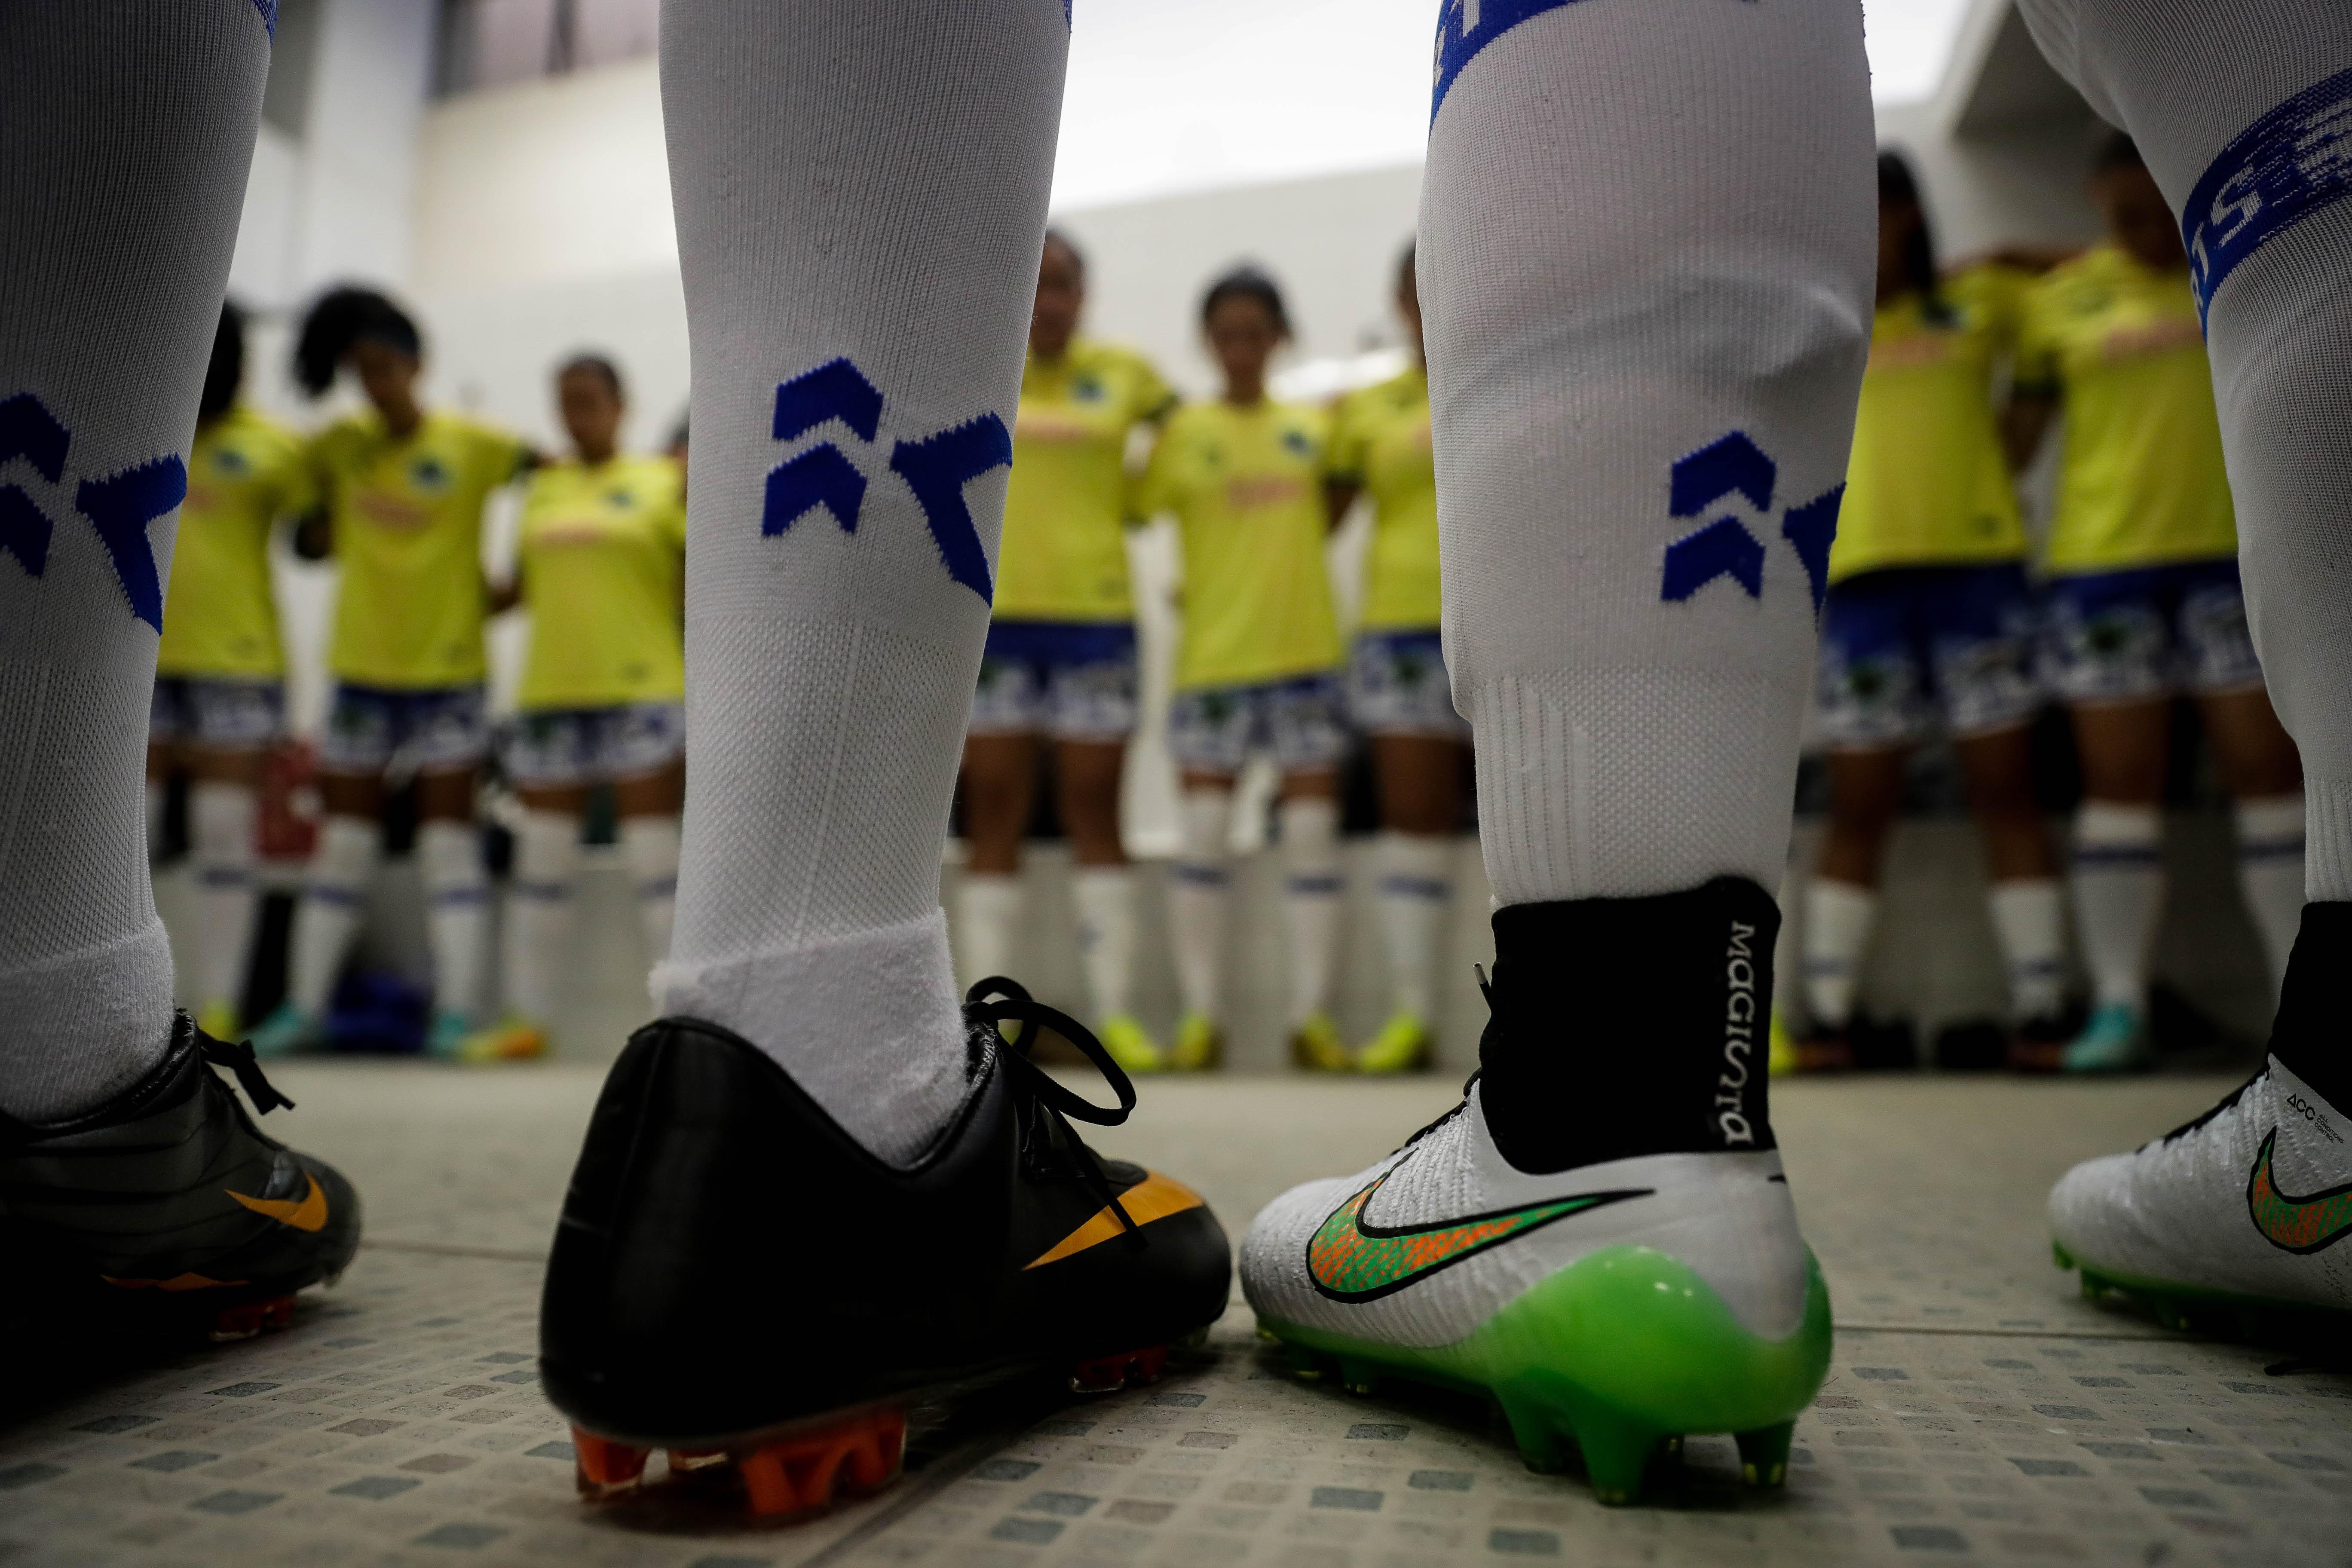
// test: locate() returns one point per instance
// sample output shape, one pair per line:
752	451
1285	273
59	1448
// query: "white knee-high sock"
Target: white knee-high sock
1311	890
1196	899
1105	896
129	129
649	845
2238	110
539	903
2118	877
860	195
1645	271
456	912
988	920
221	818
2271	869
334	893
1838	921
1416	890
2029	918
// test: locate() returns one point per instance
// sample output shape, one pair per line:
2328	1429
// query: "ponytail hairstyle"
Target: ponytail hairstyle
226	370
341	317
1246	281
1899	186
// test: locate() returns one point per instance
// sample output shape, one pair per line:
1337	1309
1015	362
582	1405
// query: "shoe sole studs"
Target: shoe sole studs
1109	1374
787	1478
272	1315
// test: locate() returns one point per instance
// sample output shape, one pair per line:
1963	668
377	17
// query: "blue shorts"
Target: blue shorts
1074	680
2127	637
1213	729
374	729
219	715
556	748
1397	685
1907	649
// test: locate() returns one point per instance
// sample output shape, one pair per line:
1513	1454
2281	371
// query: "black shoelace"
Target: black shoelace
237	1056
1042	1107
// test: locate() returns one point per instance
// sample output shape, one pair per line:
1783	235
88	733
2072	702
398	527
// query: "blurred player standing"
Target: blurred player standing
1399	691
403	488
220	667
2144	596
1060	662
602	563
1928	625
1258	665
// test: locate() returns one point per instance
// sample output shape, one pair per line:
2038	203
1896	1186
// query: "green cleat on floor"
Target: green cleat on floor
2113	1041
1781	1058
1129	1047
1200	1044
1316	1045
444	1039
513	1038
1401	1045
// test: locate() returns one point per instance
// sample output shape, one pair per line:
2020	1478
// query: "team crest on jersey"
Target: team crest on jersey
430	474
1731	469
1298	444
934	469
1087	389
619	499
118	507
230	463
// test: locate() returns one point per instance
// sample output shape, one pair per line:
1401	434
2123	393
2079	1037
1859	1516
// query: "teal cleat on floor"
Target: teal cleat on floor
2113	1041
445	1041
284	1032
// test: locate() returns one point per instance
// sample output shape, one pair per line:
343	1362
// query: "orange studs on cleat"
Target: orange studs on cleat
1109	1374
603	1467
857	1455
242	1322
804	1474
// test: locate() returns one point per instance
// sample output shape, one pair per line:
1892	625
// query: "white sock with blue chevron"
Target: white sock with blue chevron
1196	899
2118	881
456	913
1645	273
2270	870
1416	891
861	198
221	819
2241	111
130	130
649	845
541	897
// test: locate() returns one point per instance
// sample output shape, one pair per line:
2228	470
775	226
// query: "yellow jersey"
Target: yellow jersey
603	557
1927	483
1064	556
2142	482
1380	440
408	531
1245	487
220	619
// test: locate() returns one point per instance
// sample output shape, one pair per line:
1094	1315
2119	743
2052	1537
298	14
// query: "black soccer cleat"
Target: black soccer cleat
735	1280
169	1205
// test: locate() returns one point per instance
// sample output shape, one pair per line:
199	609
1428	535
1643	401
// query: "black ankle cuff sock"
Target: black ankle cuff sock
2313	1032
1625	1027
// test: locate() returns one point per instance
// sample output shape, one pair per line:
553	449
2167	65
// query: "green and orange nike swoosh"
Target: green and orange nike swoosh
1352	1259
2292	1223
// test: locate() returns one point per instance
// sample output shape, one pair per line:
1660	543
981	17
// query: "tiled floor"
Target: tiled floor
1979	1410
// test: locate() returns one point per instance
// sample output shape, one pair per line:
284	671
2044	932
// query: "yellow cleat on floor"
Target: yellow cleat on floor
218	1019
510	1039
1316	1045
1129	1045
1200	1044
1782	1055
1401	1045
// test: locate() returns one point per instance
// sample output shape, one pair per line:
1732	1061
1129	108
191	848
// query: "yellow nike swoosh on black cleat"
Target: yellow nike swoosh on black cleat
306	1214
1154	1197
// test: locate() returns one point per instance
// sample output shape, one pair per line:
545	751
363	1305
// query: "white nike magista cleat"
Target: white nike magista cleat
2237	1223
1646	1280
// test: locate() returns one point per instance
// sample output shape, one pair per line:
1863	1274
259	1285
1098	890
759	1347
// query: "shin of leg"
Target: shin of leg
2123	750
1087	778
999	792
1866	791
1309	819
1998	770
1420	780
